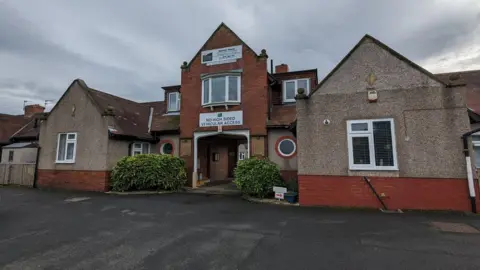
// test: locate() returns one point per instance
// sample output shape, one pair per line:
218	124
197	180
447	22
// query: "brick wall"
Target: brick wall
254	99
277	97
401	193
75	180
288	175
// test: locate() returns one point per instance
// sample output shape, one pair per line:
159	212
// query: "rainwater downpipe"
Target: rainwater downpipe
468	159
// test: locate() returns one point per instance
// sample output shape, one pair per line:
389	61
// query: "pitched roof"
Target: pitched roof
31	129
131	118
162	122
213	34
383	46
471	79
9	124
282	115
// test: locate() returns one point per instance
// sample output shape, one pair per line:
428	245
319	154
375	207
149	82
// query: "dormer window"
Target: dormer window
290	88
221	89
173	102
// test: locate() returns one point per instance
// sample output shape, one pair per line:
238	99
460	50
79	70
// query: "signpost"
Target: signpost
279	192
231	118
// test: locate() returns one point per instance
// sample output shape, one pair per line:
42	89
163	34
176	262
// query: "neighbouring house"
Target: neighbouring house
377	114
231	108
10	125
19	153
86	133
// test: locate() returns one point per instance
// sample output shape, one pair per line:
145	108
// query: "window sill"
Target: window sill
222	104
393	169
172	113
64	162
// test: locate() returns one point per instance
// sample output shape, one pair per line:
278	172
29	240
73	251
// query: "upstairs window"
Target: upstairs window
173	102
371	145
290	88
221	89
66	147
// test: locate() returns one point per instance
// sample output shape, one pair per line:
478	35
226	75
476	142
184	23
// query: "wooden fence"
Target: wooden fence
17	174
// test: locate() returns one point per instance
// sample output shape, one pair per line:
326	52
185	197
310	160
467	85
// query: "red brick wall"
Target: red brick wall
75	180
254	95
288	175
277	88
401	193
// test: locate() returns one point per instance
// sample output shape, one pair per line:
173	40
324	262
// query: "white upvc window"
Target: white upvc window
221	89
66	147
173	102
291	87
139	148
371	144
476	149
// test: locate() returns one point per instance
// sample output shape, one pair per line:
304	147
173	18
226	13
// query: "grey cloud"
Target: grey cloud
132	49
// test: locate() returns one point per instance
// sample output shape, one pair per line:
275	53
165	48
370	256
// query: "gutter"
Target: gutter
468	160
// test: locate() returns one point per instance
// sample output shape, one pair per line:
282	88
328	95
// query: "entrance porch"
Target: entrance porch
216	155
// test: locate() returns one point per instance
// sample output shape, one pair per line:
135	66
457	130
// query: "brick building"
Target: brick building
229	107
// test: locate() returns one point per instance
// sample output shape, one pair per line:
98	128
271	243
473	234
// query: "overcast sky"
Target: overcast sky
132	48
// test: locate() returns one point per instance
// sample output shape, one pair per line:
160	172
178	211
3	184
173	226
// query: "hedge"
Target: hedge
256	177
149	172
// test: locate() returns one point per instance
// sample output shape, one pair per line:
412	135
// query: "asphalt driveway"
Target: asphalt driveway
72	230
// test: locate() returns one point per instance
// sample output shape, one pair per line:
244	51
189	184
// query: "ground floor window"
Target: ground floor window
371	144
166	147
286	147
10	156
66	147
140	148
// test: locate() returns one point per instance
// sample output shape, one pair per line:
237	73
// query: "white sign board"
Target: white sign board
233	118
279	192
222	55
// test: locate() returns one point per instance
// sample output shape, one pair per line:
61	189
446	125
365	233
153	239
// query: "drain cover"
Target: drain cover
454	227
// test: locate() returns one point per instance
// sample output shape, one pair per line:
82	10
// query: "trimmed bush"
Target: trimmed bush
256	177
149	172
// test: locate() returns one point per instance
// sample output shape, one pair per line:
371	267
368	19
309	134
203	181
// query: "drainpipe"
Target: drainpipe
468	159
150	120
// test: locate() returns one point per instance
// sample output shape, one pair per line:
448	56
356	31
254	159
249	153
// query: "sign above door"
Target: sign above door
232	118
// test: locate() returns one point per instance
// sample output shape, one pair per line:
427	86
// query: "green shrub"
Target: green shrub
149	172
256	177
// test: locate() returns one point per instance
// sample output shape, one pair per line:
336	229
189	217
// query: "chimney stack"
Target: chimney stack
30	110
281	68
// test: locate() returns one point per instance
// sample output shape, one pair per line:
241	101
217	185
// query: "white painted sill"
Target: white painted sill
65	162
222	104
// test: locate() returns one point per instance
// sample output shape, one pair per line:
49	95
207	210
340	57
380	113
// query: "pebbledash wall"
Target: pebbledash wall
95	154
429	120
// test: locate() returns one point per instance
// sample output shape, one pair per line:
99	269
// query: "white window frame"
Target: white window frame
284	92
135	148
475	143
369	134
67	141
177	104
227	81
283	154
